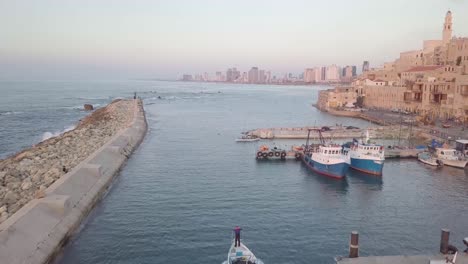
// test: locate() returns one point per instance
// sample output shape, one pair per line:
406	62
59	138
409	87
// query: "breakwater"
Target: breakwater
47	190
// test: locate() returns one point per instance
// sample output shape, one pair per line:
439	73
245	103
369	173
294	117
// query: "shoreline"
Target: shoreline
37	231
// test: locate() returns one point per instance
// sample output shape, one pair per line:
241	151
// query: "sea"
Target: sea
189	183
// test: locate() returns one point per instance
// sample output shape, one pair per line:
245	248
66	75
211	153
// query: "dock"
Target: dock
462	258
334	132
446	254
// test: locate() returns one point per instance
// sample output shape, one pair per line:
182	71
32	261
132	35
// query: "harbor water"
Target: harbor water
190	183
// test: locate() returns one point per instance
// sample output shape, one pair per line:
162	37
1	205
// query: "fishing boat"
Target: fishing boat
328	159
247	139
241	255
367	158
451	157
427	158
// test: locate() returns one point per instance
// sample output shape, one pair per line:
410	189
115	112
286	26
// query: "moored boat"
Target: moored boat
451	157
247	139
367	158
328	160
429	159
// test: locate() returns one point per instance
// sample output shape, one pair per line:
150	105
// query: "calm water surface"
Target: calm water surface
189	183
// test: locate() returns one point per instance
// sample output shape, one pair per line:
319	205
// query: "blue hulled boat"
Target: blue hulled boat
367	158
329	161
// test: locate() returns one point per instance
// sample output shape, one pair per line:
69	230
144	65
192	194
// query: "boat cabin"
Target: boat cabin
462	146
331	150
446	153
369	148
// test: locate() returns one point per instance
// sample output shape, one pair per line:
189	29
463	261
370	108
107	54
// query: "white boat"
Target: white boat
451	157
367	158
429	159
241	255
247	139
329	161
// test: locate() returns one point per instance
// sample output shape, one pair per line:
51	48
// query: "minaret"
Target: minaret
447	32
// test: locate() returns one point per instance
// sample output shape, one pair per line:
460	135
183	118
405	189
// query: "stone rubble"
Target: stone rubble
26	175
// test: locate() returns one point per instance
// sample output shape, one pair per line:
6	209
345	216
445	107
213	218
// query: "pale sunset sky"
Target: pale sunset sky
121	39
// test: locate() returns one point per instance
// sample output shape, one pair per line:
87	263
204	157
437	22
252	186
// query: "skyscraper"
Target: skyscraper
261	76
323	74
365	66
333	73
253	75
354	70
229	75
309	75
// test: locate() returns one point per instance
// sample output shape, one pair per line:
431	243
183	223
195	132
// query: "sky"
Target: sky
125	39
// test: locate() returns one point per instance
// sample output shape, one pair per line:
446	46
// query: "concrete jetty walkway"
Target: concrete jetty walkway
36	232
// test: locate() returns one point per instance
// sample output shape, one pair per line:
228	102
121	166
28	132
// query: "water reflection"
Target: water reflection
330	184
372	182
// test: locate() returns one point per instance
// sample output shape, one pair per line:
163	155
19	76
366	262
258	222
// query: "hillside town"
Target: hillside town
431	83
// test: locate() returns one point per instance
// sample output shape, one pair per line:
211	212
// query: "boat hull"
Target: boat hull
455	163
374	167
336	171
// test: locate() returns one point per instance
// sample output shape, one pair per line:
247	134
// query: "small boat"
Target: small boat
247	139
427	158
241	255
451	157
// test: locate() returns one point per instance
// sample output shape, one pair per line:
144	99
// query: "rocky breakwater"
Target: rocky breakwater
46	191
26	175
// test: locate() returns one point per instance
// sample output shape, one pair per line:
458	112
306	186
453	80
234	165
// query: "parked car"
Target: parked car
352	127
325	128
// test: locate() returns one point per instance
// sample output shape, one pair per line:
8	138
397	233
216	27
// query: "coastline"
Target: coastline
36	232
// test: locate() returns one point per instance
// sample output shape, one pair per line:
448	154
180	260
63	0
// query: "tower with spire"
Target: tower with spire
447	32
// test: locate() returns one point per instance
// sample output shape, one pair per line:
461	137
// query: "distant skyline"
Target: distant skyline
64	39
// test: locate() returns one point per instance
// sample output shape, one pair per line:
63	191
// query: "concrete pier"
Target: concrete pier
35	233
444	257
335	132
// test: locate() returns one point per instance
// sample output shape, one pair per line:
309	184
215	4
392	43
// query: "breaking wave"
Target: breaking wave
48	134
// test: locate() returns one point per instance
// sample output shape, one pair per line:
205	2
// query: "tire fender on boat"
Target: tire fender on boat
270	154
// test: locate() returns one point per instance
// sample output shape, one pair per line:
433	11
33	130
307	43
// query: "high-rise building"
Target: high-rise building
261	76
253	75
323	74
229	75
235	74
354	70
365	66
187	77
317	74
219	77
268	77
309	75
333	73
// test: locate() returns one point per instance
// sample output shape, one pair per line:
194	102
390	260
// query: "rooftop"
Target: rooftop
424	68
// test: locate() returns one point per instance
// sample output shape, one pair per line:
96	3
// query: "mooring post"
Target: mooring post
444	241
354	245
